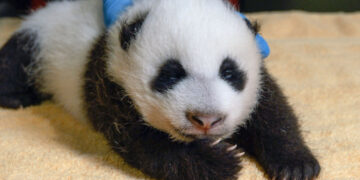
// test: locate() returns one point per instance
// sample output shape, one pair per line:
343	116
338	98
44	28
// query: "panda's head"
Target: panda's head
192	67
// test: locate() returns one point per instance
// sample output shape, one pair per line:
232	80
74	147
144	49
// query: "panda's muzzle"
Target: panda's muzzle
204	122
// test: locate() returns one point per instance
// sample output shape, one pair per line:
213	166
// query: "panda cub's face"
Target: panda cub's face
192	68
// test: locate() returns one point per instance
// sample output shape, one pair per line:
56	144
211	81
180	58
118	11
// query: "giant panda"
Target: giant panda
177	87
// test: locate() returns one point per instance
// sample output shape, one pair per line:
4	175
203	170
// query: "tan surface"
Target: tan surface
315	57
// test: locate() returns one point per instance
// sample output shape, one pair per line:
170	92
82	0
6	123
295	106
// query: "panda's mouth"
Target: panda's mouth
197	135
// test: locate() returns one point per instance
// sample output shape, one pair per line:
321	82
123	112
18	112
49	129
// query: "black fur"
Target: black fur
112	112
254	26
129	31
231	73
273	137
170	73
16	89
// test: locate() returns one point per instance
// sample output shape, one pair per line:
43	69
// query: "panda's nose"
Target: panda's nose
205	121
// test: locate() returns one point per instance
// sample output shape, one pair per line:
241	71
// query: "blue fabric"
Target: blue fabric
114	8
262	44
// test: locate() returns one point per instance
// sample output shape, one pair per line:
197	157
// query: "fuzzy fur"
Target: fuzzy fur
166	35
63	49
105	77
112	112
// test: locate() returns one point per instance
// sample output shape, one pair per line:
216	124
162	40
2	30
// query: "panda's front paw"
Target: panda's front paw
218	159
294	168
15	101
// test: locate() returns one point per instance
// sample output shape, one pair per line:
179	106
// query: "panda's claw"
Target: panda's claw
216	142
231	148
239	155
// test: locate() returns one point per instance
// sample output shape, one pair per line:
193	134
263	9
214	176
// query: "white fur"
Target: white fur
199	33
66	32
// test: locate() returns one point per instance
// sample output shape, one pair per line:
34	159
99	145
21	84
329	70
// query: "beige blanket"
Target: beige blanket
315	57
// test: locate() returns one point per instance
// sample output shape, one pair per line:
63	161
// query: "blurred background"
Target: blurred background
21	7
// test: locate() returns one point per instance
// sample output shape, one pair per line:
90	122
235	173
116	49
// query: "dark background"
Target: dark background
20	7
307	5
13	7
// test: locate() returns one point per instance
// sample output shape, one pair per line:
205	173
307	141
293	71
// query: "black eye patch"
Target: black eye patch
171	73
231	73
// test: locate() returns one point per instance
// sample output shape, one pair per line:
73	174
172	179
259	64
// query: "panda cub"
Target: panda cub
177	87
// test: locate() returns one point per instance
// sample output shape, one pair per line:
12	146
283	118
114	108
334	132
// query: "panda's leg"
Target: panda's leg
156	155
273	137
16	55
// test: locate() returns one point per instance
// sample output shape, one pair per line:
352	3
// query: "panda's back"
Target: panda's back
65	33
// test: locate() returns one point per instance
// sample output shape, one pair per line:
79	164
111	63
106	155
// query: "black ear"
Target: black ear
130	30
254	26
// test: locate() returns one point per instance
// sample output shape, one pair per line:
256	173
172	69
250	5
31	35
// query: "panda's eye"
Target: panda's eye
169	75
228	74
231	73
